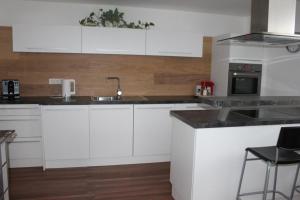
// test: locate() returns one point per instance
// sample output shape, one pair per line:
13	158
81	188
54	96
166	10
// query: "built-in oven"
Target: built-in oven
244	79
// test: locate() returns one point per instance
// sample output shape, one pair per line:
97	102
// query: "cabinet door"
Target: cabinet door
25	126
173	43
26	153
54	39
66	132
113	41
152	129
111	131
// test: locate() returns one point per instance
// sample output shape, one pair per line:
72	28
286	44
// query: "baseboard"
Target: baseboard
28	162
128	160
105	161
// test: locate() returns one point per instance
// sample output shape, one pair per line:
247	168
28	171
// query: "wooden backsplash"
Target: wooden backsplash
140	75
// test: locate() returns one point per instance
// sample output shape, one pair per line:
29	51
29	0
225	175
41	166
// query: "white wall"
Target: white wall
33	12
282	71
297	26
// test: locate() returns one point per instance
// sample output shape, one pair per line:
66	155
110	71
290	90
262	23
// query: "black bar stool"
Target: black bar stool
281	154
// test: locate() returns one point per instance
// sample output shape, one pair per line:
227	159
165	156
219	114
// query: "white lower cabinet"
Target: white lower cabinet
26	149
111	131
95	135
152	129
66	135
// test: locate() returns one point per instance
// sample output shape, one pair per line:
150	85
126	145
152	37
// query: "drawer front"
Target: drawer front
23	128
17	110
25	150
3	153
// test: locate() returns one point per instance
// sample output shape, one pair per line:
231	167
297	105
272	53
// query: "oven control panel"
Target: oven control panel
245	67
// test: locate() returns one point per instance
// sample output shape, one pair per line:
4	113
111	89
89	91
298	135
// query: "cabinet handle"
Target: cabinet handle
27	139
45	49
175	52
34	141
59	109
18	108
111	108
111	50
156	108
12	119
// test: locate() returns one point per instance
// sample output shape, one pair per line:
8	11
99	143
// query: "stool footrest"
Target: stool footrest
261	192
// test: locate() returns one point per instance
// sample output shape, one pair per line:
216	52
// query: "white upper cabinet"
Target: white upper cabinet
113	41
99	40
51	39
174	43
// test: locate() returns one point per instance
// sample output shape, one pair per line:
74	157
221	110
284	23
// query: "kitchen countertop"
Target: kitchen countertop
232	117
251	101
6	135
213	101
280	109
86	100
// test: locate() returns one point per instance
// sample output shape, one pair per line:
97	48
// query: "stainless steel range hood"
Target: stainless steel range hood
272	24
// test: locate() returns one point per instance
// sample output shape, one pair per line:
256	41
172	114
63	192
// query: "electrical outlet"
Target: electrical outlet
55	81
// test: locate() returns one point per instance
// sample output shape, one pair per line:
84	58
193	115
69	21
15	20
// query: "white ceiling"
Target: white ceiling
231	7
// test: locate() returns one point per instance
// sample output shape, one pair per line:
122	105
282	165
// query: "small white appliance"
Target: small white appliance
68	87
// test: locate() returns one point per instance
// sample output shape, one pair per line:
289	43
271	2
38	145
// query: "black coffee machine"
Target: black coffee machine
10	89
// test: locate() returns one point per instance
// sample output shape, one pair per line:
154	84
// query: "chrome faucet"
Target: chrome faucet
119	90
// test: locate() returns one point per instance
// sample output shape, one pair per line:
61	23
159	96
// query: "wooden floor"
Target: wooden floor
129	182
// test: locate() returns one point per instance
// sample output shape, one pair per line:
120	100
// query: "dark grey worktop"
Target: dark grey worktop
214	101
231	117
251	101
272	110
86	100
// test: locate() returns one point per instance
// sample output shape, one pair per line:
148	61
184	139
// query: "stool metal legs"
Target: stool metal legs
275	182
265	192
242	175
266	184
295	182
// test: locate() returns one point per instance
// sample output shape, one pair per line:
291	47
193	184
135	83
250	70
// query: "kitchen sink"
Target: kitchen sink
115	98
104	98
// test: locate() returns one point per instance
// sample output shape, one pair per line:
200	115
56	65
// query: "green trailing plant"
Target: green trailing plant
112	18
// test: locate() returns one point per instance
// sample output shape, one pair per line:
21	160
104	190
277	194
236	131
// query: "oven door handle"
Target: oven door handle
245	74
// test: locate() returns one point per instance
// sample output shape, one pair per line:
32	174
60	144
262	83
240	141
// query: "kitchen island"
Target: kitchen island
208	149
